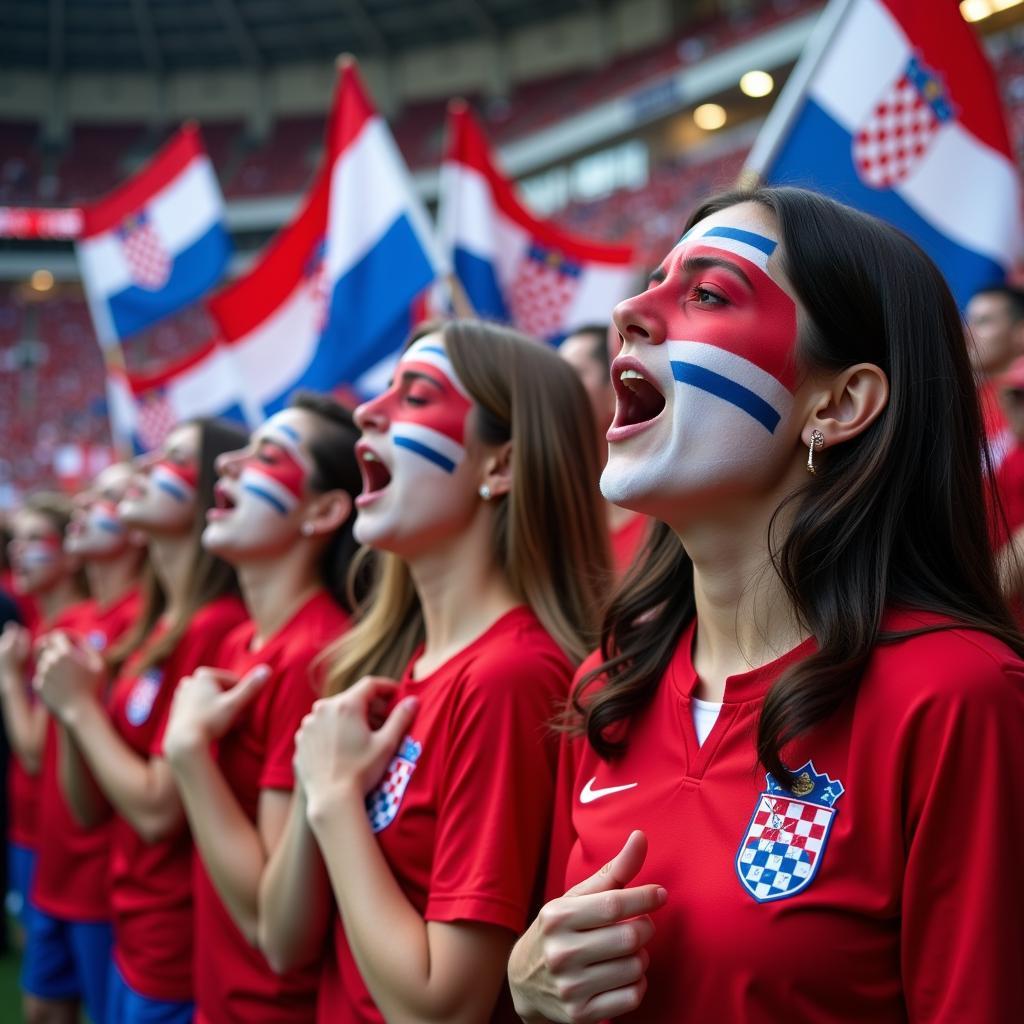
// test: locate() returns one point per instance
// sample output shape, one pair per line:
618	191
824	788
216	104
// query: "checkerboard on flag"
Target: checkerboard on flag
893	109
512	266
155	244
330	302
145	407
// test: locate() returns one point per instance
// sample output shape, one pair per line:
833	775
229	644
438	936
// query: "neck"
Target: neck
618	516
745	618
111	578
61	595
462	592
172	557
275	589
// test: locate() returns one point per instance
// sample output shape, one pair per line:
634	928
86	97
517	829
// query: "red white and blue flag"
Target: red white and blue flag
155	244
333	298
893	109
511	266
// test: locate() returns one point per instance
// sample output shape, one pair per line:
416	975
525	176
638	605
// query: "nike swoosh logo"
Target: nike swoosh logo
588	794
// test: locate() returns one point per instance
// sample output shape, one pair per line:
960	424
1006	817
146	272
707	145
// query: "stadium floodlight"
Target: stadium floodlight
710	116
41	280
757	84
978	10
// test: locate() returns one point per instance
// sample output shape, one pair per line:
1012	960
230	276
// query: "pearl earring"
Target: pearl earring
307	530
485	492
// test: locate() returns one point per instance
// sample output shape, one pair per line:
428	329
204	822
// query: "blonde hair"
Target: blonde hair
550	538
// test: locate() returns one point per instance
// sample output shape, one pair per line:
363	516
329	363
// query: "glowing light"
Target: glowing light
709	116
757	84
41	280
978	10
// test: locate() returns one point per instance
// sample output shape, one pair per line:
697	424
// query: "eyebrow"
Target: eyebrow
420	375
692	263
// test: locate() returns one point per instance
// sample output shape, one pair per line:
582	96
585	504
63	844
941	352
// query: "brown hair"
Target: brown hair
549	531
211	577
893	518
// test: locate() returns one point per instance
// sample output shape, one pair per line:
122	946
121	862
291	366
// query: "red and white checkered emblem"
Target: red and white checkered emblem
543	287
156	419
901	127
382	803
146	256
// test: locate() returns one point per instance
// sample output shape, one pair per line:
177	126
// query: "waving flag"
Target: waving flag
155	244
894	109
145	407
511	266
332	298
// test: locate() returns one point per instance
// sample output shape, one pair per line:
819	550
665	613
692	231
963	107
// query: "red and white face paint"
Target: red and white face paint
262	490
413	446
96	529
707	372
161	497
36	553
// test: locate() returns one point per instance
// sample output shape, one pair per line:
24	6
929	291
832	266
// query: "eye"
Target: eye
705	296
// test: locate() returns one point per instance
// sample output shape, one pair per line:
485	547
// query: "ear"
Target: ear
848	405
497	474
326	513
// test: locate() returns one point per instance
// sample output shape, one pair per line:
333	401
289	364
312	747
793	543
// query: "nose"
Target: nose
638	321
230	463
372	415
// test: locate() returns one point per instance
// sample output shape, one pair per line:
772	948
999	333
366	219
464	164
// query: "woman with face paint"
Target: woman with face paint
283	520
425	782
795	752
191	603
43	571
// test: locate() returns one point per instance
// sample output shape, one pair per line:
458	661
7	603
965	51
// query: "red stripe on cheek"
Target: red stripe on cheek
446	409
282	467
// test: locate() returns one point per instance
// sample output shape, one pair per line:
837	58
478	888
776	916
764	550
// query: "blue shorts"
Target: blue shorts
68	960
21	869
126	1006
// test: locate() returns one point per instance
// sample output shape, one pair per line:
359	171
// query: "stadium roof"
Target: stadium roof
167	35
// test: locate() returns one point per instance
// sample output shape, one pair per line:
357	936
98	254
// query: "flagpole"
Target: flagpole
784	111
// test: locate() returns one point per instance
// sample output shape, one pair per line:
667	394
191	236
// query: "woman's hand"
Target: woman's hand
15	647
345	743
583	958
206	705
67	674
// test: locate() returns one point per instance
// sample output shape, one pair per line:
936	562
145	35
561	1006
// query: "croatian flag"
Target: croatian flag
757	380
333	298
145	407
509	265
156	243
894	109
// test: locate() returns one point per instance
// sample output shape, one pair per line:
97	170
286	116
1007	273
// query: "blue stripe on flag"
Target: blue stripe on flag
728	390
818	155
481	285
370	314
195	270
270	499
766	245
428	453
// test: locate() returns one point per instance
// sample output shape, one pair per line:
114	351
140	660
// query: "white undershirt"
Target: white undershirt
705	714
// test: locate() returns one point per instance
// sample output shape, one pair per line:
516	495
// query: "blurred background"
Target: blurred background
613	116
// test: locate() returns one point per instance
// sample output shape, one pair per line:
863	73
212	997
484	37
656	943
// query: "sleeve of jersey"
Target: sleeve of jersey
494	809
563	831
293	695
963	926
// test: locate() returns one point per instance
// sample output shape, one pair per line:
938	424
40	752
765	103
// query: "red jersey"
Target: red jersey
234	984
22	788
71	873
28	609
462	814
151	883
884	887
627	542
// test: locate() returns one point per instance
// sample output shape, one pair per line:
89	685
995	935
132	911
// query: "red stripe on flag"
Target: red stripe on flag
468	146
130	197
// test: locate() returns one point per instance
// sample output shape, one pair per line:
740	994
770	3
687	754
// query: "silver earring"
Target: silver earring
307	529
817	441
485	492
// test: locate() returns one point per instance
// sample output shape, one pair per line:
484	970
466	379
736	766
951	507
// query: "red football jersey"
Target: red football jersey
22	788
71	873
462	814
884	887
233	981
151	883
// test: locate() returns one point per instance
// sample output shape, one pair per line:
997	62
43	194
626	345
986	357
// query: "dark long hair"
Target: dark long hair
332	449
893	518
211	577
